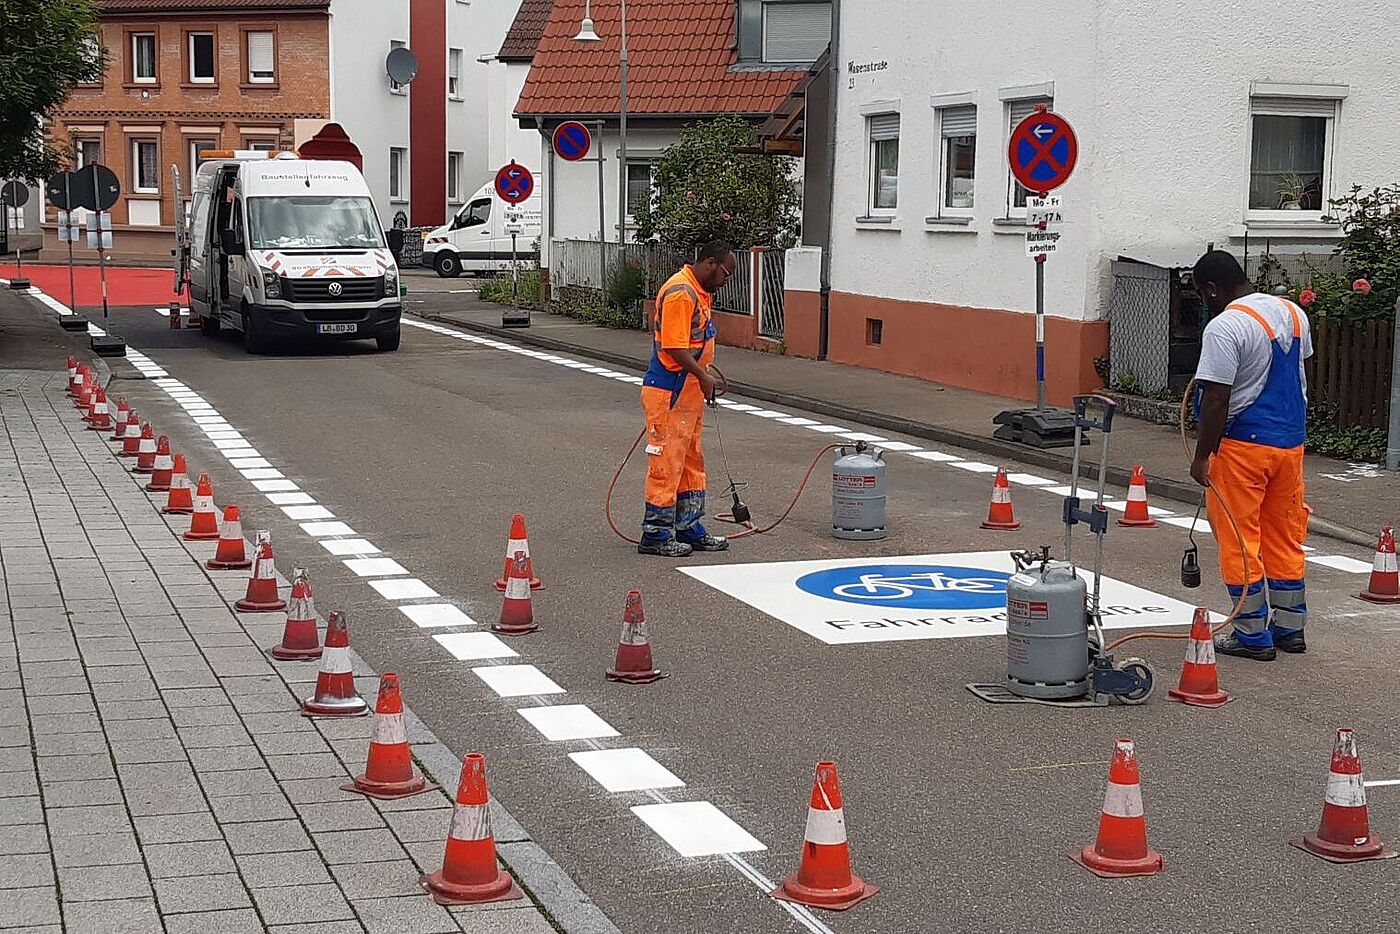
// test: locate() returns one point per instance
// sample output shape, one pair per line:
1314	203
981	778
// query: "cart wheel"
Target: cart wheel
1141	670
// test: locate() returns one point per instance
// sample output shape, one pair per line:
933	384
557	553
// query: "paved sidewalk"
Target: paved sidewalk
1349	502
156	775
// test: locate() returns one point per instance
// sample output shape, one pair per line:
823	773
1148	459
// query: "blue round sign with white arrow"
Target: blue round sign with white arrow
1043	151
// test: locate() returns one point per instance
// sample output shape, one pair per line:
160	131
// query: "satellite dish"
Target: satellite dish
402	65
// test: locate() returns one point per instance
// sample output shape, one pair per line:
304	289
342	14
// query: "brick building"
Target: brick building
185	75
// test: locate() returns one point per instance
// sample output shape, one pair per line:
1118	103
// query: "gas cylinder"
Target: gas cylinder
858	493
1047	648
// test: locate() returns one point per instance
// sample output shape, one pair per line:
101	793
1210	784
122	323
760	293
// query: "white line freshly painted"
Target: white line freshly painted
517	680
900	446
320	529
262	473
289	499
938	457
375	567
348	546
1383	783
474	646
697	828
628	769
798	421
973	466
403	588
1028	479
863	436
1122	506
274	486
567	722
1340	563
229	444
1202	524
828	429
428	615
300	513
249	463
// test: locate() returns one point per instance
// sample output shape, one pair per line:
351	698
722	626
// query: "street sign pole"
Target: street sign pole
514	271
1392	450
72	281
1040	328
602	221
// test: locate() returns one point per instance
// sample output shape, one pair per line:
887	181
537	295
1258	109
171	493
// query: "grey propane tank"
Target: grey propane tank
1047	644
858	494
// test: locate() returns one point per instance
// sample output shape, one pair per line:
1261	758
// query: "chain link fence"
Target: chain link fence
1139	314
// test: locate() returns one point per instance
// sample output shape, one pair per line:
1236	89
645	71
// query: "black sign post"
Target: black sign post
13	195
96	188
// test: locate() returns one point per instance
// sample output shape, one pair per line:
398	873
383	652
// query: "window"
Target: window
1018	111
958	128
639	187
87	151
261	58
394	86
145	166
201	58
196	146
454	177
454	71
259	143
884	162
795	32
1290	141
92	60
474	214
143	57
397	158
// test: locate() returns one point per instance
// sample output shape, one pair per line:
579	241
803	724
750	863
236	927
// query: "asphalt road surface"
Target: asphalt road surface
961	812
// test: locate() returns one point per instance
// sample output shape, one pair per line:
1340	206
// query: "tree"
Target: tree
45	49
705	190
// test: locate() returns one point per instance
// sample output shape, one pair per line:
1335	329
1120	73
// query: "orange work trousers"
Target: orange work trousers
675	462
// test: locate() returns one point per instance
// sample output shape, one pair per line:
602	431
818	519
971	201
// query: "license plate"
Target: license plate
337	328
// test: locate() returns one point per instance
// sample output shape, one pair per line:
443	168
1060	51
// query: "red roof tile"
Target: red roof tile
679	58
206	6
524	34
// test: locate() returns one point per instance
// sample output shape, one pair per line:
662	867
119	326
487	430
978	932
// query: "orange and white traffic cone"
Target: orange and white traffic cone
469	873
824	878
517	612
163	468
174	310
146	450
1384	586
1121	847
1135	513
633	663
119	420
97	417
299	638
389	771
204	526
179	501
518	541
1200	685
262	596
131	438
1000	515
335	684
230	555
1344	835
75	378
72	370
86	385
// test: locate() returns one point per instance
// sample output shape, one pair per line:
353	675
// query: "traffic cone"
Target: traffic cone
230	555
72	369
75	377
100	414
389	771
1384	586
517	613
518	541
299	638
174	310
824	878
146	450
1199	685
179	501
119	420
1121	847
131	438
633	663
86	384
205	524
1000	515
262	596
163	469
1344	835
469	873
1135	514
335	685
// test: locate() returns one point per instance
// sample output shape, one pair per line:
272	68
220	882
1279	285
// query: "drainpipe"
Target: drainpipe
834	76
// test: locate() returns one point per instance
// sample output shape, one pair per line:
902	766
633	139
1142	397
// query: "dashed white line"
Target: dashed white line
428	615
409	588
474	646
563	722
625	769
517	680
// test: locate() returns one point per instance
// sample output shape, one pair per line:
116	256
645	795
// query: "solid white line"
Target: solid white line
1341	563
1380	783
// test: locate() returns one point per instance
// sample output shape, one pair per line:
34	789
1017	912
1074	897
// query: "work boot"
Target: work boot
1231	645
708	542
1292	642
668	548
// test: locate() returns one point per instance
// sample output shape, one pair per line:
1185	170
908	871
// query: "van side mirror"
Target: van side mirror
395	236
229	242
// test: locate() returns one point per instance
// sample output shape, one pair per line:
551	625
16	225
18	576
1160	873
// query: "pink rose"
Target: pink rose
1361	285
729	217
1307	298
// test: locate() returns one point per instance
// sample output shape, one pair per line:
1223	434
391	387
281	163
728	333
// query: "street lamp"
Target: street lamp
587	33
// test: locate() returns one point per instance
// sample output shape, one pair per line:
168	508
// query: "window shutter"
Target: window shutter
454	61
795	32
959	121
884	126
1294	106
1020	110
259	52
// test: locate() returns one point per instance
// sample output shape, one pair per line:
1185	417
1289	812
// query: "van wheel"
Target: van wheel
253	340
208	325
389	342
447	265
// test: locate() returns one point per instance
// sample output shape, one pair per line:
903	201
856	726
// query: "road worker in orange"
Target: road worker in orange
1252	409
675	390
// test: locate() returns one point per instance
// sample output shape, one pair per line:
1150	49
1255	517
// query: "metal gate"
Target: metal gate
770	293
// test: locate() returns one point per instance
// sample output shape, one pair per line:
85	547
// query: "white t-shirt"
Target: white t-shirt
1235	350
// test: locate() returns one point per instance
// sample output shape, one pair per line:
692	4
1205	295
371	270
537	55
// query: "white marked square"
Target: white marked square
769	413
798	421
863	436
1341	563
474	646
375	567
743	407
1085	495
308	512
244	463
348	546
234	453
431	615
274	486
629	769
975	466
262	473
1028	479
211	421
938	457
567	721
1202	524
697	828
288	499
224	433
318	529
1122	506
403	588
517	680
897	446
828	429
230	444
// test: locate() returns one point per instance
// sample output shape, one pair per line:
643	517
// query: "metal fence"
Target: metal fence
1139	314
736	295
771	270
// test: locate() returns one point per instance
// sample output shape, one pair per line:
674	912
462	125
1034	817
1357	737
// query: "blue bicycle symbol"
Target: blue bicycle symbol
911	586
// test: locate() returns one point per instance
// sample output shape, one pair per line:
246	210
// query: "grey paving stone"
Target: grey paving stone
102	849
237	661
175	797
180	698
38	673
88	819
26	870
207	892
18	784
241	782
350	846
177	828
287	720
267	702
237	921
427	855
205	717
47	685
206	737
244	808
28	810
74	768
302	904
16	759
135	710
109	674
431	801
325	927
61	704
224	759
55	724
405	915
340	815
220	639
118	692
418	826
70	744
275	744
310	765
496	919
115	658
26	907
269	870
199	678
244	685
352	728
148	750
283	836
76	794
176	860
123	916
317	790
126	730
84	884
378	880
186	659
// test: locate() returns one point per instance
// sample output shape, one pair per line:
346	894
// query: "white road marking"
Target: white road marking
429	615
308	512
770	413
229	444
246	463
973	466
289	499
318	529
237	453
517	680
403	588
274	486
1340	563
938	457
697	828
1382	783
798	421
348	546
567	722
1184	522
828	429
627	769
375	567
474	646
900	446
1028	479
1122	506
863	436
262	473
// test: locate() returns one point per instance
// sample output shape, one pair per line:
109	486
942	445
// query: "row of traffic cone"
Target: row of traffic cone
1001	516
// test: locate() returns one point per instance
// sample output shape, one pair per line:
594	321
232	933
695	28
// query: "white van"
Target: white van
477	239
284	247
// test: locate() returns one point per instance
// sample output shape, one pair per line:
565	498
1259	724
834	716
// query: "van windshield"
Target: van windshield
317	221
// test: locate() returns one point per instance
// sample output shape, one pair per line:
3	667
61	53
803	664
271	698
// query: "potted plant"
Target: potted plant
1292	188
